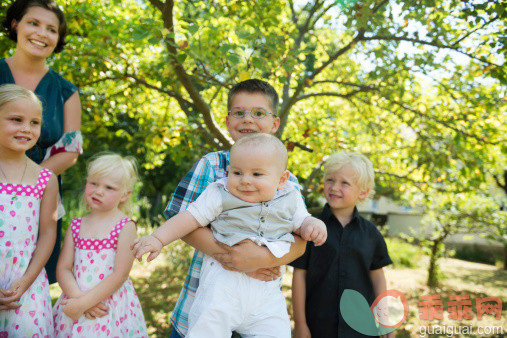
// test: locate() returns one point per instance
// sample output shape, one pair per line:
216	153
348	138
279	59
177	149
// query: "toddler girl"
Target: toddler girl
98	298
28	214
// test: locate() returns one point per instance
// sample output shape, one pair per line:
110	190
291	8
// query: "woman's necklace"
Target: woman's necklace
22	176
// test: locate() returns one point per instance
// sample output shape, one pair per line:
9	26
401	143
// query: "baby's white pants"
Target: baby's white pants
229	301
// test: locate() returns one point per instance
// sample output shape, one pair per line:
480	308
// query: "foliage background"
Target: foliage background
419	87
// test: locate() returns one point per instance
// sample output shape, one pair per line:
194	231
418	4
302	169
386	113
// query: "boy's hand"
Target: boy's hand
145	244
314	230
244	256
265	274
302	331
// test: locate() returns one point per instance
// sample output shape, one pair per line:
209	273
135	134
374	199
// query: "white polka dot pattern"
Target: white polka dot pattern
93	263
110	242
28	189
19	229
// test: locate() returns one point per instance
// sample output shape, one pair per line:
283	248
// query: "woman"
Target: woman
39	28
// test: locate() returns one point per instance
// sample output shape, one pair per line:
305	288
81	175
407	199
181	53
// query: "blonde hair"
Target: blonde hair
125	168
363	169
11	92
264	140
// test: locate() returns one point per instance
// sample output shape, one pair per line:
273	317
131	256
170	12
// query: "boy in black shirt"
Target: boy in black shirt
352	257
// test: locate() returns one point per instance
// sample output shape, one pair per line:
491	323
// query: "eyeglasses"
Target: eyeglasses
256	112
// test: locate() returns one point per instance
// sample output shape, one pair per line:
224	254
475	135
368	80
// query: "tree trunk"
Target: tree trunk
156	208
433	268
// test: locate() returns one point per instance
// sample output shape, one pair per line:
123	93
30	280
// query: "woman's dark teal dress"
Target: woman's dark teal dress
53	91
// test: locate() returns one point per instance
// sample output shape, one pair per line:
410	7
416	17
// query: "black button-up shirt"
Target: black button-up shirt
343	262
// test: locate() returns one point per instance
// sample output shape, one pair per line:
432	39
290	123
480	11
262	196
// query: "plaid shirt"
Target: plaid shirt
209	169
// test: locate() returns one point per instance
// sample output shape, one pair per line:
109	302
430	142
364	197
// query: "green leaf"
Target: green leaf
258	62
140	34
233	58
193	29
387	81
243	35
224	48
154	40
181	58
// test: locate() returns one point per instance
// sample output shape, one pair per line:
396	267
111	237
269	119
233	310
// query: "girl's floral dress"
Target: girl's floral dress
93	261
19	228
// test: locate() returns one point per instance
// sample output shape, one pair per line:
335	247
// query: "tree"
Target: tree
499	232
448	214
418	89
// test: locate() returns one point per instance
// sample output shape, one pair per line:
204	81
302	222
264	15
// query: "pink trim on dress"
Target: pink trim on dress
110	242
27	189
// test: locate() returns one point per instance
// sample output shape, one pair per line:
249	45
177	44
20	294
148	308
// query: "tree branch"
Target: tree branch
158	4
350	84
500	185
284	113
303	29
141	82
207	135
442	122
343	96
161	90
312	176
427	43
184	78
401	177
475	30
321	14
293	12
103	79
299	145
206	74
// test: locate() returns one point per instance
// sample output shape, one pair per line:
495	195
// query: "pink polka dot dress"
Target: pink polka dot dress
19	228
93	261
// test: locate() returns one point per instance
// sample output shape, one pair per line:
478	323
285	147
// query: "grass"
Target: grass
158	285
476	254
461	278
403	254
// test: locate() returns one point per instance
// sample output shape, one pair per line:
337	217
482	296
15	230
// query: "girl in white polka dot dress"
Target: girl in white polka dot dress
98	298
28	214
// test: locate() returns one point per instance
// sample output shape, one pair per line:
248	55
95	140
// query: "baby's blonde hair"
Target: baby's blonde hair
363	169
264	140
105	164
11	92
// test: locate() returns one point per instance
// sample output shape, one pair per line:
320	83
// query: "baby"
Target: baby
256	201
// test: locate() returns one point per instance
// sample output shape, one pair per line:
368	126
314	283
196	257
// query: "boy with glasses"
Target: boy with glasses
245	256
